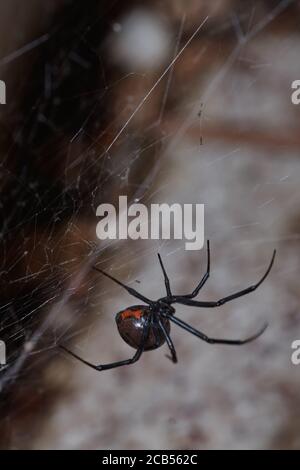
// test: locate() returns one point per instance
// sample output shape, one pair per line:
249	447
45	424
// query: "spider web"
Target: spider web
49	204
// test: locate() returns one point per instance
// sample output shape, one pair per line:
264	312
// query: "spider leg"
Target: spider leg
167	282
203	280
194	303
169	342
209	340
113	365
130	290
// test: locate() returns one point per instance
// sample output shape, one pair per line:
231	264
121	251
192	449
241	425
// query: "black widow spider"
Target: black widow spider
147	327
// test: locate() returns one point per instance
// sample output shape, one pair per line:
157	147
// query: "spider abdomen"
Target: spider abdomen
131	325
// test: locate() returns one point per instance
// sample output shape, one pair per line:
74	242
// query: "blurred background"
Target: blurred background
174	101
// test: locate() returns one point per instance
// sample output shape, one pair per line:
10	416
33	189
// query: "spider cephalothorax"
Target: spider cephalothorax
147	327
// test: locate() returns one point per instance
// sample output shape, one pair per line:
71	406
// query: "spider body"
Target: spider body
131	324
147	326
